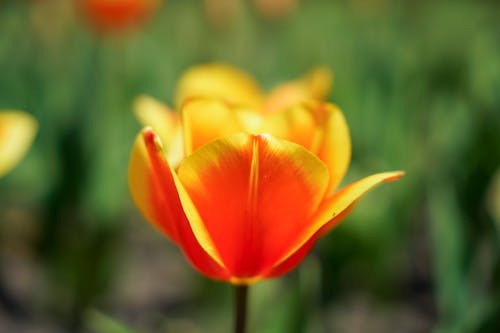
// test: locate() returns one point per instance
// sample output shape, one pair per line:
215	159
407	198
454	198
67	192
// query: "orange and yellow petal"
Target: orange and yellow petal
205	120
334	145
291	261
330	213
17	130
165	122
254	194
319	83
320	128
162	119
222	81
250	120
285	96
316	85
157	192
343	200
297	124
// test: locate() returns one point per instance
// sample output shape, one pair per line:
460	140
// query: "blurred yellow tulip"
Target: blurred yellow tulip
17	130
494	198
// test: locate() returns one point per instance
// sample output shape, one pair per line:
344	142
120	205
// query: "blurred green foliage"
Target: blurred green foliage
419	83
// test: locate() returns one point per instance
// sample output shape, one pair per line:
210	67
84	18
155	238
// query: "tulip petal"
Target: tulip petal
320	128
165	122
332	211
291	261
254	194
219	81
17	130
158	194
315	85
334	147
156	115
335	207
250	120
297	124
205	120
319	82
285	96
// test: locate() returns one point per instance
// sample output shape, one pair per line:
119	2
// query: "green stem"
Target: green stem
241	298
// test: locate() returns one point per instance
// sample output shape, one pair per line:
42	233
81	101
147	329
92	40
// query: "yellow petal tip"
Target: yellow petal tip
397	175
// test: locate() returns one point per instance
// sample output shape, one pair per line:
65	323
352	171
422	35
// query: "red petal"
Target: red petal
293	260
334	208
255	194
153	187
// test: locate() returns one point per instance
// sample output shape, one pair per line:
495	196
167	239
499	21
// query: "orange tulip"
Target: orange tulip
17	130
113	15
245	207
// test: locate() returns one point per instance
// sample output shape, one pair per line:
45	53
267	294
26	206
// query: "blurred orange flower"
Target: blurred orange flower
255	189
17	130
276	9
117	15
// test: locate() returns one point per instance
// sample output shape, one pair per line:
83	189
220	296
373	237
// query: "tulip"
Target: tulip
248	206
117	15
17	130
245	183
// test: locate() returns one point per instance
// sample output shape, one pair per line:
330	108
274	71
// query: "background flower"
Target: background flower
118	15
17	130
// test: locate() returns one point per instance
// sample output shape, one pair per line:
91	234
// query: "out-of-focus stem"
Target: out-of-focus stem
241	300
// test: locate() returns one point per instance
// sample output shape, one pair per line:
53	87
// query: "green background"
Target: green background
419	84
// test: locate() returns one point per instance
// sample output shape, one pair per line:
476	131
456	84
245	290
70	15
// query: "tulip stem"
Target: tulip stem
241	299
